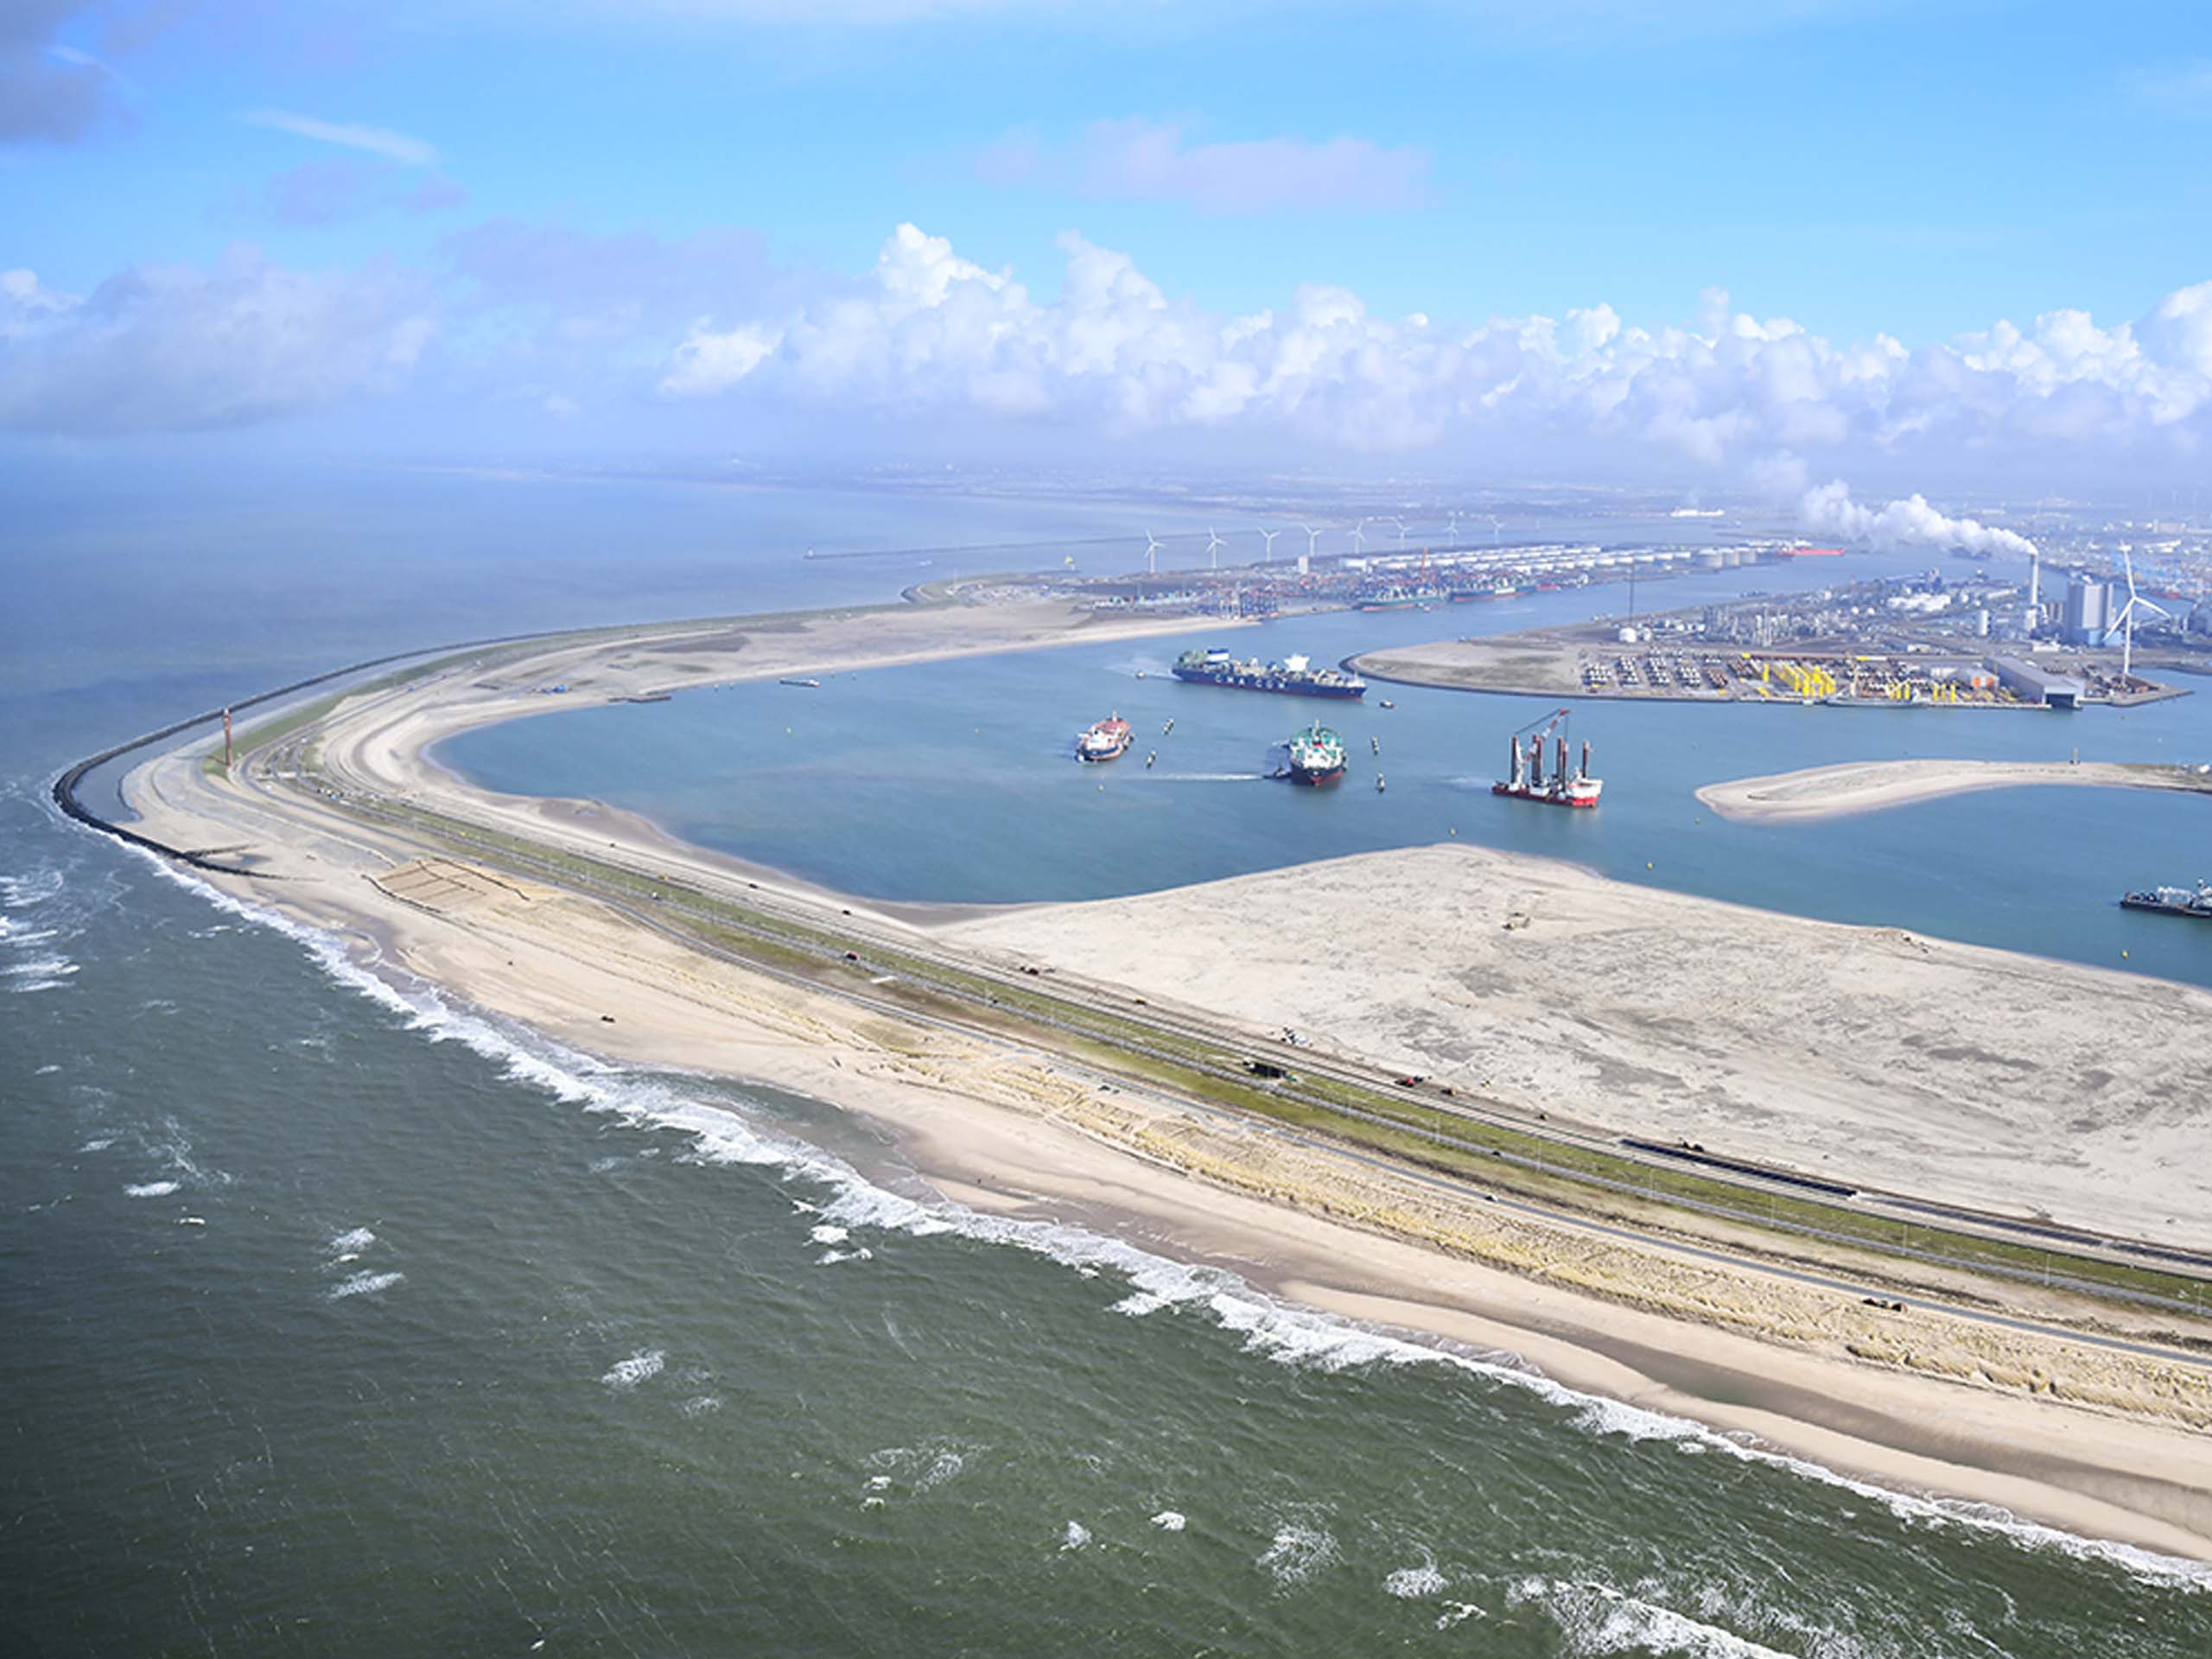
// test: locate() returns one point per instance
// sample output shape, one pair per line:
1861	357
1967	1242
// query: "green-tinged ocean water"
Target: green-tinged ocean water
340	1320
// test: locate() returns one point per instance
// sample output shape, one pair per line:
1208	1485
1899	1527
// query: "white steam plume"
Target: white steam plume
1829	510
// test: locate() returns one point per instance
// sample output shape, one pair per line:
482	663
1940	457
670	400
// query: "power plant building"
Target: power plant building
2087	619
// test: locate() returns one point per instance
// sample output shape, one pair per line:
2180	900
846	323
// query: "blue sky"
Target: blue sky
1916	172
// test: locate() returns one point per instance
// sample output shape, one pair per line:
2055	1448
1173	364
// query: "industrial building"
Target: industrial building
2087	619
2032	685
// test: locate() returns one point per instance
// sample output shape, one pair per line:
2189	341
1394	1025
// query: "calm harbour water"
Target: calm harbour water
340	1321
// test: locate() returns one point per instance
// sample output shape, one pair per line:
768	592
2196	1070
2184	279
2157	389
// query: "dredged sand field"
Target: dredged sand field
2006	1082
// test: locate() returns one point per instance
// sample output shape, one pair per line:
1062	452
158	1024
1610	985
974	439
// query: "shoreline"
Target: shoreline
1026	1131
1816	793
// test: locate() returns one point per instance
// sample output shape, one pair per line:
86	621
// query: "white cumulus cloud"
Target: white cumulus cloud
931	331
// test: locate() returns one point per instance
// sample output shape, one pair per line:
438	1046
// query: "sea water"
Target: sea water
342	1320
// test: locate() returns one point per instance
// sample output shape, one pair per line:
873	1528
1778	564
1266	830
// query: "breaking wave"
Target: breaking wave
641	1367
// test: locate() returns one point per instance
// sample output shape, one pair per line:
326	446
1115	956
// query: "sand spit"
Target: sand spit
2100	1441
1873	786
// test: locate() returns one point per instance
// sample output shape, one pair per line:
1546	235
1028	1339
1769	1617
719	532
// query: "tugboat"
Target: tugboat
2173	901
1108	740
1317	756
1527	782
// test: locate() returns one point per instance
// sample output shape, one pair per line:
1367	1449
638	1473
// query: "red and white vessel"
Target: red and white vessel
1527	781
1108	740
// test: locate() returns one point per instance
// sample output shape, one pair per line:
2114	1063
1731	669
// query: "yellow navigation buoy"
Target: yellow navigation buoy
1646	863
2123	956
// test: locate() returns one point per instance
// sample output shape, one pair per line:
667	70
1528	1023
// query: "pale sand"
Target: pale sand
1536	664
1872	785
2012	1083
1919	1399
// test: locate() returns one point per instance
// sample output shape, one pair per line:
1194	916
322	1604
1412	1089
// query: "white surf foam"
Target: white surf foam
41	967
1595	1618
151	1189
1171	1520
720	1134
1298	1552
1414	1583
1075	1537
97	1143
351	1243
829	1233
641	1367
365	1284
30	887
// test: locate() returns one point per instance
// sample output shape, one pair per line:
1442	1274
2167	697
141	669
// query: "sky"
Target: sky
1956	245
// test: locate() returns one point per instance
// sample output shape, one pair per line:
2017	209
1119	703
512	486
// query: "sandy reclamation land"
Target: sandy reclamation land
2009	1083
2001	1079
1816	792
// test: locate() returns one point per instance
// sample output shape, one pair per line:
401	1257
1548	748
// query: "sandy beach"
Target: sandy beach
2097	1439
1818	793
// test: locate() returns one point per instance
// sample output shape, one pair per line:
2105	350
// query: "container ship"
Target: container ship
1293	677
1396	599
1317	756
2173	901
1108	740
1527	781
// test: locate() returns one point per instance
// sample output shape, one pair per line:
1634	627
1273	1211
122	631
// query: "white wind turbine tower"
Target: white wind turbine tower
2135	602
1151	554
1400	524
1359	536
1213	549
1268	536
1452	535
1496	525
1312	539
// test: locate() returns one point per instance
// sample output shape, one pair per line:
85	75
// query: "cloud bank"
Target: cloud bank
706	334
173	347
932	332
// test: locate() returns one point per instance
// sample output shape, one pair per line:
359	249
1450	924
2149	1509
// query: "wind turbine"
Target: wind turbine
1313	539
1213	549
2135	601
1496	524
1358	536
1400	524
1452	535
1268	536
1151	554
